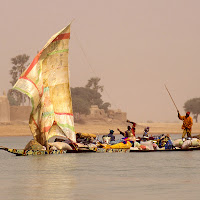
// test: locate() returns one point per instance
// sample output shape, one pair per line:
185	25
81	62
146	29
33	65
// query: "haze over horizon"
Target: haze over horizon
134	46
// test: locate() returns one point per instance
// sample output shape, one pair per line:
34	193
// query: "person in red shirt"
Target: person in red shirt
133	127
130	133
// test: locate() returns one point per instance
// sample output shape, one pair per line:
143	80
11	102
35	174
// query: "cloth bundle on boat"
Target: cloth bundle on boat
85	138
60	146
195	142
147	144
143	145
164	141
186	144
85	135
178	143
121	145
106	139
34	145
161	142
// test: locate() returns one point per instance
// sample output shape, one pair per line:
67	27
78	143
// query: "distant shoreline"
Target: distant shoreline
22	129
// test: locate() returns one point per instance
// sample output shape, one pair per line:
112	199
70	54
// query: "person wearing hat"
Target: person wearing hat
111	135
187	124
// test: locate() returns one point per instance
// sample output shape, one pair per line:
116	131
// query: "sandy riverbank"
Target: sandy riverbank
22	129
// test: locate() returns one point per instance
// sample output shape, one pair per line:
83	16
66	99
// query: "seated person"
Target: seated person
146	130
111	135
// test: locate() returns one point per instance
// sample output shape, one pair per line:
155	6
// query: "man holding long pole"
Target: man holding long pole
187	120
187	124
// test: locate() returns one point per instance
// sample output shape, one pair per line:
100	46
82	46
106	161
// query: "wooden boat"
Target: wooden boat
22	152
46	82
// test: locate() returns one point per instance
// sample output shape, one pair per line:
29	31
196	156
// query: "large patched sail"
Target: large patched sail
46	82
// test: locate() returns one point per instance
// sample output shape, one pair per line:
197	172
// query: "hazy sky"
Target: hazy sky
134	46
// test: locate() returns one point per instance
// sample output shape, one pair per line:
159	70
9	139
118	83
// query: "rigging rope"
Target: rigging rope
91	68
94	72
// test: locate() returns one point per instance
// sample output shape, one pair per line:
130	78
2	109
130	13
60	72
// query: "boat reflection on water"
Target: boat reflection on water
99	175
52	177
38	177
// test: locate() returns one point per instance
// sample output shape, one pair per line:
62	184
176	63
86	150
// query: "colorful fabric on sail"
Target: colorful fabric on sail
46	82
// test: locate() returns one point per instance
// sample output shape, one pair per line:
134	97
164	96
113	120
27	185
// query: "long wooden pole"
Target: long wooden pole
171	98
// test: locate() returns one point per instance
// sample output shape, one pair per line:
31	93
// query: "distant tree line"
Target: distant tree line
82	97
193	106
19	64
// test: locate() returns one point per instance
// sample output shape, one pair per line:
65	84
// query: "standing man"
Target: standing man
187	124
133	127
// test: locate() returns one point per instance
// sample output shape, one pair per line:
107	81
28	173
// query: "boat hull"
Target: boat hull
167	150
102	150
22	152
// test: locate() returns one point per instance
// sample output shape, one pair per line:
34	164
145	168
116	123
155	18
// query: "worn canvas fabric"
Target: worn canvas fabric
46	82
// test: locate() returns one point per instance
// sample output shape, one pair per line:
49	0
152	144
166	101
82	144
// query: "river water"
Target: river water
99	176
